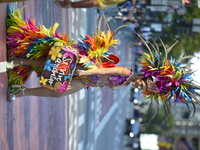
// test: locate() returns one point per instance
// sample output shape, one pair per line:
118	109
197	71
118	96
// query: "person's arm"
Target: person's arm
121	71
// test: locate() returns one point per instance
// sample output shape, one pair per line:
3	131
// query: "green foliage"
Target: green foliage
192	11
177	50
162	16
191	43
158	125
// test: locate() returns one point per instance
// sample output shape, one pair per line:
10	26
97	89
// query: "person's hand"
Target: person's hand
139	82
79	73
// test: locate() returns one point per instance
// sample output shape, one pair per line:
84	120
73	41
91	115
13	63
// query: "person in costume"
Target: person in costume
102	4
59	61
65	66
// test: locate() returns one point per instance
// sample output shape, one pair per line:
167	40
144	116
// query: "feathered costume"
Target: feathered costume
172	79
26	40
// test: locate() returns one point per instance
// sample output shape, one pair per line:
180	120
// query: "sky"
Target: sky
196	66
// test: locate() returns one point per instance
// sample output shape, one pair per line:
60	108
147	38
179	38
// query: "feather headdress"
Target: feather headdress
96	47
172	80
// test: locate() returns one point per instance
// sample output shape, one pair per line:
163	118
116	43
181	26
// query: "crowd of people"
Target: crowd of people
133	13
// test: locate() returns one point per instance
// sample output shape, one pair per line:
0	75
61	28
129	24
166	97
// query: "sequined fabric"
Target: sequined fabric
112	81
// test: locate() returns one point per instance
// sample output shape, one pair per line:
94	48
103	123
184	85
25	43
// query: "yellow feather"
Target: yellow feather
55	26
147	55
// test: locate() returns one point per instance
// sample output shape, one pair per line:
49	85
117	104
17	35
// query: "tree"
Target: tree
191	44
158	125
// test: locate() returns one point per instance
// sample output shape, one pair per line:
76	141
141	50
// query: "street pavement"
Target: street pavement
91	119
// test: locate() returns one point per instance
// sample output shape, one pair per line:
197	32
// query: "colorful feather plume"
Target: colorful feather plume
100	43
172	79
26	39
96	48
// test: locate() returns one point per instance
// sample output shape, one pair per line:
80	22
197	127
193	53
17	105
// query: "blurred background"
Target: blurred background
169	20
101	118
